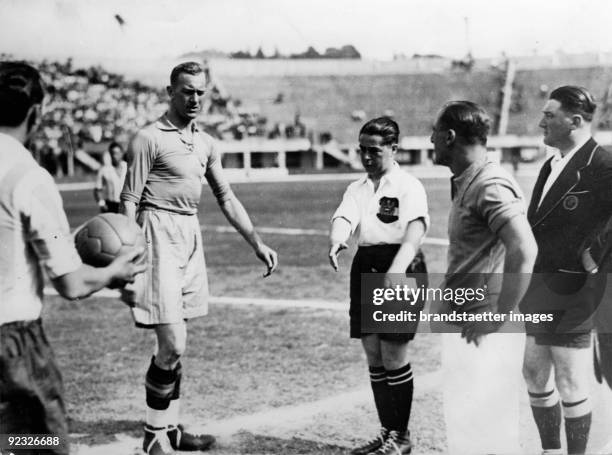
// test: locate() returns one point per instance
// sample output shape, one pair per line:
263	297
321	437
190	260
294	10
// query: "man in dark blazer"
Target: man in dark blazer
570	205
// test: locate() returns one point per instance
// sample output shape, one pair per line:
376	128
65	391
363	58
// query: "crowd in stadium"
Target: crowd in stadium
92	105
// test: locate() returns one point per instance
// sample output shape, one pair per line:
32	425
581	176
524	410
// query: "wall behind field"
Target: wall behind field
529	99
327	91
326	102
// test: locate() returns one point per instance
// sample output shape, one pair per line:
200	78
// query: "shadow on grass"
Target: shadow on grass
248	443
102	431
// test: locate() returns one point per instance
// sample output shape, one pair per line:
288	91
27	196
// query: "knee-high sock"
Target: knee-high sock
401	386
382	395
546	409
159	387
577	425
174	408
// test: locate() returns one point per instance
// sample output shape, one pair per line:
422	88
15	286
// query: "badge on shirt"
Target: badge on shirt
388	210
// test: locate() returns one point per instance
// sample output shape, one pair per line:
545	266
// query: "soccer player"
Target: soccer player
110	178
35	238
571	202
389	206
489	236
168	161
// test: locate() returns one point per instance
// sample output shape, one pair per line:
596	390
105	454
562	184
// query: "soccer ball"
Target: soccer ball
105	237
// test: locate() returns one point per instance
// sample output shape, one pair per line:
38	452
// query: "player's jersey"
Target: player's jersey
33	233
166	169
382	215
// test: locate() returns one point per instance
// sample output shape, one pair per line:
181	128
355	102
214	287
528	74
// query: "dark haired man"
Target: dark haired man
168	162
571	202
491	249
389	207
109	180
34	236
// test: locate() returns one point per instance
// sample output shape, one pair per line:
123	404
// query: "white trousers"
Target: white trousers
482	386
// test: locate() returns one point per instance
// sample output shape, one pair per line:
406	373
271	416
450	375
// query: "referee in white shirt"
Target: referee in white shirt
389	208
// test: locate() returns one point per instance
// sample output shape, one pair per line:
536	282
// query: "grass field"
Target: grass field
256	363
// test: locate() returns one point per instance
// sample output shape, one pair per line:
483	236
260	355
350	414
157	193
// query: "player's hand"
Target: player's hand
392	280
126	266
268	256
474	331
333	253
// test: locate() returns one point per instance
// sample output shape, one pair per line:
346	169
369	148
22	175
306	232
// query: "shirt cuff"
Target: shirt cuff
130	197
58	256
500	219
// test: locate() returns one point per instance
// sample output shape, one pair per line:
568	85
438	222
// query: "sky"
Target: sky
379	29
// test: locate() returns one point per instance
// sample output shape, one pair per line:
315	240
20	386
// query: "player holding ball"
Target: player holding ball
168	162
34	237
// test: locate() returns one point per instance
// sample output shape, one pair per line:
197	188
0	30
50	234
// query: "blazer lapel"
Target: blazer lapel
567	180
538	188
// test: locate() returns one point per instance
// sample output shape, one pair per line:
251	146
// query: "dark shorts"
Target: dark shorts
378	259
580	340
112	206
31	390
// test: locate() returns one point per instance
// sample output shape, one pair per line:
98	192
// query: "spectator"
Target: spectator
109	180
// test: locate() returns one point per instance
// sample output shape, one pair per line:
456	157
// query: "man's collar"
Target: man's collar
568	156
461	181
164	124
391	176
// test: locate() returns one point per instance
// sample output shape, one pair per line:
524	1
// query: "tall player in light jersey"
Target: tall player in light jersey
168	162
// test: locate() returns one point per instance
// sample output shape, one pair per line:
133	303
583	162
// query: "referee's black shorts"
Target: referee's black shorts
31	390
378	259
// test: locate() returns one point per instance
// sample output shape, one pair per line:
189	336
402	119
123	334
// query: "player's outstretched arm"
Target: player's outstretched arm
338	236
238	217
86	280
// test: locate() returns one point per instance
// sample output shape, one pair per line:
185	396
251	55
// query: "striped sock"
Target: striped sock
402	388
546	409
159	386
577	425
382	395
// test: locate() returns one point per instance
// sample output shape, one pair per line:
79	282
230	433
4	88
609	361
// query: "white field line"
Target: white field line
309	232
607	449
421	172
283	418
288	417
241	301
426	172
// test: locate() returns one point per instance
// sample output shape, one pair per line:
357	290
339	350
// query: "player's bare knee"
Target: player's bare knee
535	376
371	347
394	354
169	354
572	385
